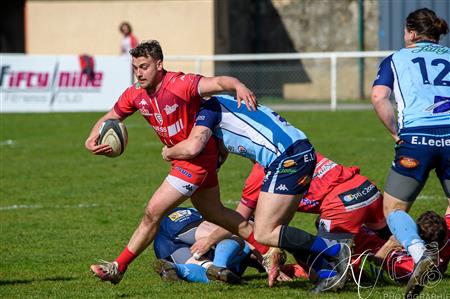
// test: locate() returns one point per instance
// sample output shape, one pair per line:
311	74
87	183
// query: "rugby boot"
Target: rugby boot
343	262
107	271
425	271
166	270
328	283
272	260
222	274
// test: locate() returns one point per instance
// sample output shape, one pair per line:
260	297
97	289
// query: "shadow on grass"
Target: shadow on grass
27	281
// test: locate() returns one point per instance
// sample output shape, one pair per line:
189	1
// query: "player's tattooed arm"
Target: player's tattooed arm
190	147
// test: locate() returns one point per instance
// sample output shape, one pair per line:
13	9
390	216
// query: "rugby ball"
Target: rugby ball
114	133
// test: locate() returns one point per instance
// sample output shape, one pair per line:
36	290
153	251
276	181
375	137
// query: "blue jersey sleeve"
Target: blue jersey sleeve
209	114
385	75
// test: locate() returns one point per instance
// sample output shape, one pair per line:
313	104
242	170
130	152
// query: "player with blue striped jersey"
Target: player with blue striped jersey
419	75
263	136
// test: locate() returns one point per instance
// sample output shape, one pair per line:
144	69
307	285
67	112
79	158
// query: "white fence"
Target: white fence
36	83
331	58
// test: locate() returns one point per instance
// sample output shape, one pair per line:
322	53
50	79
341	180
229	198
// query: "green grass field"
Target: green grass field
62	208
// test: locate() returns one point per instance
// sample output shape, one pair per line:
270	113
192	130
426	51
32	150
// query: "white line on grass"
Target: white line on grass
79	206
38	206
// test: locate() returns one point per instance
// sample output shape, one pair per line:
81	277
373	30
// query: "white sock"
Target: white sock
416	250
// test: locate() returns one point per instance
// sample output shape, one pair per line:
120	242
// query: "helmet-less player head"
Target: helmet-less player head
423	24
148	64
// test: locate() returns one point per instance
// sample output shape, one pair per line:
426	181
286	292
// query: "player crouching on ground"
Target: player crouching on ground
389	262
178	231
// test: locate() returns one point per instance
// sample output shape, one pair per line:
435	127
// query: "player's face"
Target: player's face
147	70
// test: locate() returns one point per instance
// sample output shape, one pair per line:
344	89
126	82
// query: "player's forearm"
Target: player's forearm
181	151
227	83
386	114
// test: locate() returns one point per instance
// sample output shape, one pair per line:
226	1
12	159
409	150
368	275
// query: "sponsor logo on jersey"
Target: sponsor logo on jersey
242	149
408	162
323	167
230	148
304	180
143	103
441	106
288	170
159	118
282	187
363	195
430	141
289	163
189	187
179	215
170	109
438	49
144	111
309	202
184	171
162	131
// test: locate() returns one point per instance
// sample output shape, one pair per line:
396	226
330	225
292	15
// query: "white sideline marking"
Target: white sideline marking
79	206
8	142
17	207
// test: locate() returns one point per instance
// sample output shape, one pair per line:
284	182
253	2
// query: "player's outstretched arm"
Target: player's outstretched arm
211	85
190	147
91	141
384	109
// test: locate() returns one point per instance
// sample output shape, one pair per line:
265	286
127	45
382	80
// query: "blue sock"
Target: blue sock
320	245
225	251
192	272
404	228
325	273
235	263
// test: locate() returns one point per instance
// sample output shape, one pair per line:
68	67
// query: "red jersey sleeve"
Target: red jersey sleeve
185	86
124	106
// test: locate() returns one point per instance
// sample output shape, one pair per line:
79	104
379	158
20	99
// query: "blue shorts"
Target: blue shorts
422	150
292	171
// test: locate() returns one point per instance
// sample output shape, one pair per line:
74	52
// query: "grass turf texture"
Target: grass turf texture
62	208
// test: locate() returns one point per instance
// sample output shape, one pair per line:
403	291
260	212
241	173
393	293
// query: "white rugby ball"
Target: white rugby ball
114	133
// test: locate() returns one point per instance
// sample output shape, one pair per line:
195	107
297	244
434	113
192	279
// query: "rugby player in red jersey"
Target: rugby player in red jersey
389	261
169	102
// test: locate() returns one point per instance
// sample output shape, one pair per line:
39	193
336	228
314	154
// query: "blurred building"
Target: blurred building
207	27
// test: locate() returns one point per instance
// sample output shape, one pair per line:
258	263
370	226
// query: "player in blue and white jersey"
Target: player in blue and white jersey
265	137
419	76
178	230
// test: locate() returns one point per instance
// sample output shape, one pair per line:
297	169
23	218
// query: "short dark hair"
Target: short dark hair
150	48
432	228
427	24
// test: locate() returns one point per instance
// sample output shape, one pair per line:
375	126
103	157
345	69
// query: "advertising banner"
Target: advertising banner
62	83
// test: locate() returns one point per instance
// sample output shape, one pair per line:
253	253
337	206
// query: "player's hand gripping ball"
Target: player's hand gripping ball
114	133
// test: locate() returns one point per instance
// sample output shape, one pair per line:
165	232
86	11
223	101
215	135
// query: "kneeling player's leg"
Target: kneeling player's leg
400	192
